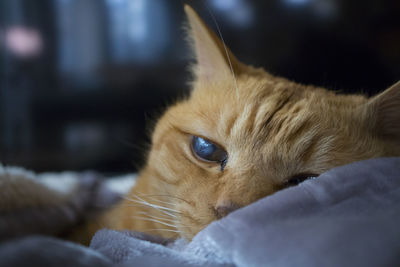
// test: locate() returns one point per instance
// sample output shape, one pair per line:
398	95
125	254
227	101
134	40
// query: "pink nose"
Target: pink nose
224	208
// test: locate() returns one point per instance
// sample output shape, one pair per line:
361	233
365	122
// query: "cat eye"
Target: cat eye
299	178
208	151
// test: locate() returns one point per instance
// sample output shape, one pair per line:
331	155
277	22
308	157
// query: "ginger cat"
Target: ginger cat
244	134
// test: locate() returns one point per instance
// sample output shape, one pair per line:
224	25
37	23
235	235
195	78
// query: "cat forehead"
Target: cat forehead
213	111
219	111
261	87
248	91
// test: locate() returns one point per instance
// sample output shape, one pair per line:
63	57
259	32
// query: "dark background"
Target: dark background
105	69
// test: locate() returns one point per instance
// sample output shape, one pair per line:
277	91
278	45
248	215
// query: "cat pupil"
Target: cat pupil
208	151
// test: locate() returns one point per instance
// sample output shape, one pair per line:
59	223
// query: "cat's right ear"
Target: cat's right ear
214	60
384	111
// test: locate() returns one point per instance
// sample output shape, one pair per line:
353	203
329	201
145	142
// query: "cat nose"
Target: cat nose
224	208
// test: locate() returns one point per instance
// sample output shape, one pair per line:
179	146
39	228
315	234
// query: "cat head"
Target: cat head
244	134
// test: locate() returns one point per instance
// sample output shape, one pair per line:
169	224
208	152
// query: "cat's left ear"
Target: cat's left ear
384	110
214	60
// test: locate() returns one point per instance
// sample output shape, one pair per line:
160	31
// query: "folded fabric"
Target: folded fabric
52	203
346	217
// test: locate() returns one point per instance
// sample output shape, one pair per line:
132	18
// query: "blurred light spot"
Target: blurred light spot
297	2
138	29
323	9
225	4
115	1
137	23
23	42
238	12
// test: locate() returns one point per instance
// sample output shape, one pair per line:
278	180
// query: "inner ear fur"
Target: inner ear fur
214	60
384	110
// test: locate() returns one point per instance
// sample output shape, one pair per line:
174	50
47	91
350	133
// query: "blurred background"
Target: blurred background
82	81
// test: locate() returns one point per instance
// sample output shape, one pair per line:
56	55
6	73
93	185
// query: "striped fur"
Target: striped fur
271	128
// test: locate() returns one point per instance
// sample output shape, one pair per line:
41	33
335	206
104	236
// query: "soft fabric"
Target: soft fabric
49	251
52	203
346	217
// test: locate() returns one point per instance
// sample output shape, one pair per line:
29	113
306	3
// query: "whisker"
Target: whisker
154	220
155	205
162	218
139	204
163	202
150	206
167	230
225	48
156	217
167	196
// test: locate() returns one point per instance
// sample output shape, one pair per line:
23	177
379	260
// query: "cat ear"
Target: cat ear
214	59
385	111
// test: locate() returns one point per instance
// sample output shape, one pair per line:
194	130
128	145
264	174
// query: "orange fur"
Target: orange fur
270	127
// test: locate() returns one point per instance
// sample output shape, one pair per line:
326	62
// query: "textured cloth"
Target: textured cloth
53	203
348	216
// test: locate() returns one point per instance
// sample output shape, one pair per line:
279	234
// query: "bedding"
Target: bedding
348	216
52	203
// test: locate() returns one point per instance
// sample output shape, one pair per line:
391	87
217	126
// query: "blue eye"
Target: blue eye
208	151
